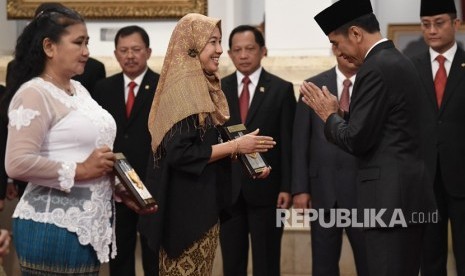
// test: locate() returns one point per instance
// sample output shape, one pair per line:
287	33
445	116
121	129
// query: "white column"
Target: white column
8	31
292	31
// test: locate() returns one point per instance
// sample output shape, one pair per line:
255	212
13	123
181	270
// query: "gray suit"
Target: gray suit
329	175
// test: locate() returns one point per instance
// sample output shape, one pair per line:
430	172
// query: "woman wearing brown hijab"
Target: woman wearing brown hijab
191	175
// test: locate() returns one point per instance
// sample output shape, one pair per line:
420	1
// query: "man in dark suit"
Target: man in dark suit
128	97
269	106
93	72
324	176
382	130
443	99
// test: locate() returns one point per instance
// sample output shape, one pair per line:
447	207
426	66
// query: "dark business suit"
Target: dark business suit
383	132
21	185
93	72
3	138
329	175
446	159
133	140
254	200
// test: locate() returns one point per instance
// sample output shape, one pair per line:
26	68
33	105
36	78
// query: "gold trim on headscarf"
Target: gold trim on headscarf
184	89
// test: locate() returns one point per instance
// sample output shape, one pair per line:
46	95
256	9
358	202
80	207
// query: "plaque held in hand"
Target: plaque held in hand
254	163
132	183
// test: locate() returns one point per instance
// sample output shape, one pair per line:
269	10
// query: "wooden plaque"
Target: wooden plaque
254	163
131	181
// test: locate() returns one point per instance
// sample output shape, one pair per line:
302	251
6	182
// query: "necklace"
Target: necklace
68	91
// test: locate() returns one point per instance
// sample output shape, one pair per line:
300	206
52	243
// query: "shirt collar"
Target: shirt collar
340	76
137	80
449	54
378	42
253	77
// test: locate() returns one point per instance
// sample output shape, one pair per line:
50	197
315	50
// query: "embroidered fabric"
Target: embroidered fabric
22	117
49	133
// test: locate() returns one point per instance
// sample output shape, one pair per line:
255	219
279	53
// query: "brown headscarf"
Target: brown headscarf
184	89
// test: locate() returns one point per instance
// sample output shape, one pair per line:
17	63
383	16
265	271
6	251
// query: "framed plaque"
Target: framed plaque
254	163
131	181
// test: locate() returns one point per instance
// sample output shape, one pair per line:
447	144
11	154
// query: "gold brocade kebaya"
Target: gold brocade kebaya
184	88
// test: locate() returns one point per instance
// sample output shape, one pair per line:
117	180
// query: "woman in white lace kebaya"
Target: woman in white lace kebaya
59	141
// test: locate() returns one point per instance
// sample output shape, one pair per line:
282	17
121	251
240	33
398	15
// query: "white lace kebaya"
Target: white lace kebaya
49	132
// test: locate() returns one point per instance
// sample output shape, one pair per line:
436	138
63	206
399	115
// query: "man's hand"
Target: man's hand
320	100
284	200
302	201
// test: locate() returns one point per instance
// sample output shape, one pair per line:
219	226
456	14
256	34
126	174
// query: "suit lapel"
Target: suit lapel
262	87
331	82
457	71
230	90
120	108
147	87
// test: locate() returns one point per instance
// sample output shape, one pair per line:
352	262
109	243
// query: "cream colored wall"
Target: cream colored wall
293	69
290	28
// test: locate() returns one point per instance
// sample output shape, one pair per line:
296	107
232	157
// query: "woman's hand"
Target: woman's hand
99	163
4	242
251	143
122	193
264	174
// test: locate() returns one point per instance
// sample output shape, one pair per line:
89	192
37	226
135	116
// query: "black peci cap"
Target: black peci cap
342	12
435	7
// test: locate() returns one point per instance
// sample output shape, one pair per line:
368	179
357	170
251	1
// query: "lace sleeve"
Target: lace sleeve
30	120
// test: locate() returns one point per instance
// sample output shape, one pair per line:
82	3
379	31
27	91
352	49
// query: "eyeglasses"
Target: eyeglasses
126	51
438	24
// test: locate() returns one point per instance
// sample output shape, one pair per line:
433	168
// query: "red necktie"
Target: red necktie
244	98
345	96
131	98
440	79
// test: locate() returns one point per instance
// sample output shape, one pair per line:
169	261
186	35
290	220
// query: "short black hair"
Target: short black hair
245	28
129	30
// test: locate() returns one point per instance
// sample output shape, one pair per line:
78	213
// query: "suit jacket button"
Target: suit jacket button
126	136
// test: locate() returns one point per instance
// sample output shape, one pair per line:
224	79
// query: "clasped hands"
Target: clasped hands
320	100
